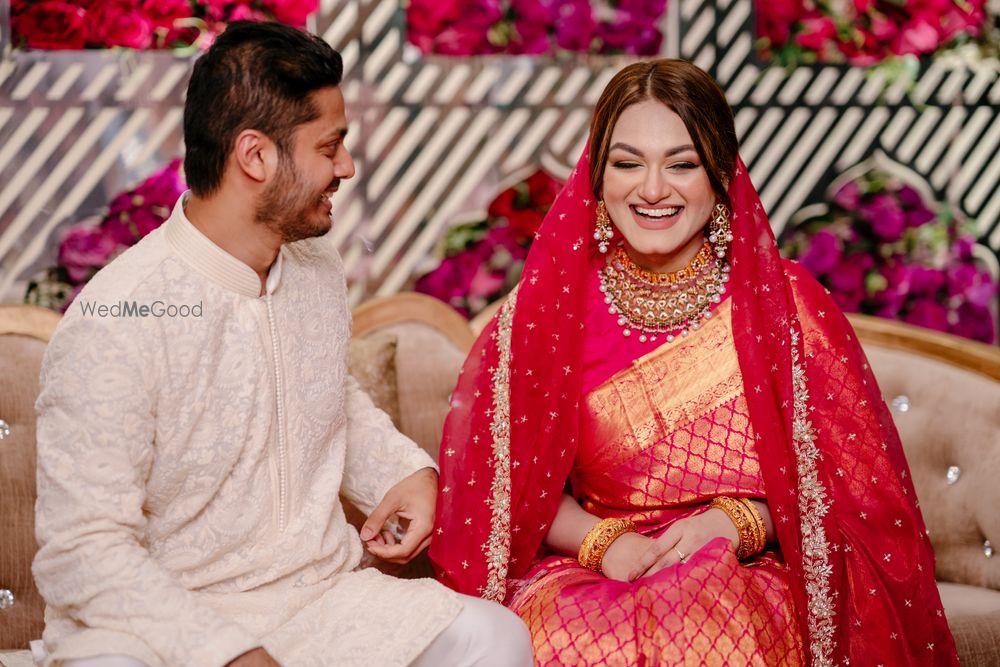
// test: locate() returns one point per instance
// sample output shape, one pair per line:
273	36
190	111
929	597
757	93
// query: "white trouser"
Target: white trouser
484	634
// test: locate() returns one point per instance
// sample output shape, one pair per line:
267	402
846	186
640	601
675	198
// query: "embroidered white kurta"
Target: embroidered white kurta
189	468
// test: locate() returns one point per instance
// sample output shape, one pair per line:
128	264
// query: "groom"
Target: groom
190	467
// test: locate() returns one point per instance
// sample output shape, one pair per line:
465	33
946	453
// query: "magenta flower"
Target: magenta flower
886	218
574	25
84	250
929	314
848	196
823	253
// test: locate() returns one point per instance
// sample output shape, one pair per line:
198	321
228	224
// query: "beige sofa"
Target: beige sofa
407	352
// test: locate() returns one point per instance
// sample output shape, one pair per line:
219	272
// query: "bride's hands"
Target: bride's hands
682	539
621	560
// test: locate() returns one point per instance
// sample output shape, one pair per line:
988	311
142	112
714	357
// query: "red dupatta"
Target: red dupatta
838	485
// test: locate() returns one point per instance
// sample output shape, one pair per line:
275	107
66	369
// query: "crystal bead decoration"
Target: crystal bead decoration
901	404
954	472
4	430
987	549
6	599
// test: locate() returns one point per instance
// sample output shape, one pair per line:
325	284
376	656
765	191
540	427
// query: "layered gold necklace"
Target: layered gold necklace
653	304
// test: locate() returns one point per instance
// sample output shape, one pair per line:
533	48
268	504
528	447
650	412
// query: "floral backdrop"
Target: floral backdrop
883	249
86	247
482	259
141	24
868	32
478	27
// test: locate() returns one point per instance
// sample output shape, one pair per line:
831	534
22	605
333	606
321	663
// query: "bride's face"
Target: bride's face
656	188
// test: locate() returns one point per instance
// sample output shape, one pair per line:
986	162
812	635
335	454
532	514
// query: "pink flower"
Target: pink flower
823	253
817	33
165	15
775	18
84	250
485	283
133	214
883	29
291	12
918	37
975	322
848	196
429	16
50	25
886	218
575	25
248	13
532	23
163	187
925	281
120	23
928	314
849	276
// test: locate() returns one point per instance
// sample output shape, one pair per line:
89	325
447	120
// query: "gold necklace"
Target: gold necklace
673	303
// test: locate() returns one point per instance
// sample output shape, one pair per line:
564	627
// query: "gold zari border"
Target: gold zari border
497	546
814	504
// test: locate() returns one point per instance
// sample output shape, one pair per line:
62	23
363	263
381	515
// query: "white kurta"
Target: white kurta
189	468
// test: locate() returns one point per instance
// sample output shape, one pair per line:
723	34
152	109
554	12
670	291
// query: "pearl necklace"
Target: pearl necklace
663	303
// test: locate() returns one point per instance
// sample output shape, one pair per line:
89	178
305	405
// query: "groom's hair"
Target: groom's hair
255	76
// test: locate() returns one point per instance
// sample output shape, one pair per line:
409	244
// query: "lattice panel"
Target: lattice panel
435	136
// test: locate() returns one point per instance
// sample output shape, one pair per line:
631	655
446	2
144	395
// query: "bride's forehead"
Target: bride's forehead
651	123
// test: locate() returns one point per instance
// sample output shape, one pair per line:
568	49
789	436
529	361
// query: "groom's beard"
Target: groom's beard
289	209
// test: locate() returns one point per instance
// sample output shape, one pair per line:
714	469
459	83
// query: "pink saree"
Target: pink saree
773	398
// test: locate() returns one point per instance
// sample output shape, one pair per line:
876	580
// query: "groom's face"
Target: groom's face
297	204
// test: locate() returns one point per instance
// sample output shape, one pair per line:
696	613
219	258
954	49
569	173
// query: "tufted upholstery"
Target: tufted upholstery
24	332
944	394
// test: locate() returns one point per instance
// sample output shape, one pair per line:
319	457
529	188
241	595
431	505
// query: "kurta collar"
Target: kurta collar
212	261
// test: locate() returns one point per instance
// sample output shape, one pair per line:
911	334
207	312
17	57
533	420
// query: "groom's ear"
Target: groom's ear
255	155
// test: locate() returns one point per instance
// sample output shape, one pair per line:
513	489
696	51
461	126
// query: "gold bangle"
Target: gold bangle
600	537
759	525
746	525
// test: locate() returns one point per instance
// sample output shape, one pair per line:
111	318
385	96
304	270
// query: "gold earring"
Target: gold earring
602	231
719	232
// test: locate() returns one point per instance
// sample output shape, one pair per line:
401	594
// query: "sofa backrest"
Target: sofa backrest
432	341
24	332
944	395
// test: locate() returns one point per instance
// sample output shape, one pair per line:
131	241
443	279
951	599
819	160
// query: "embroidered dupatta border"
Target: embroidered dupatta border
813	506
497	546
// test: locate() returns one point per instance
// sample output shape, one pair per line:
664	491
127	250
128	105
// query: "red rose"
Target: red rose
292	12
120	23
164	15
430	16
51	25
817	33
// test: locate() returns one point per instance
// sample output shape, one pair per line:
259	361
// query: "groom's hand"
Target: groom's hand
413	500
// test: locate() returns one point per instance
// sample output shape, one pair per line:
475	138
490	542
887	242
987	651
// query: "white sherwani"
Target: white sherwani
189	468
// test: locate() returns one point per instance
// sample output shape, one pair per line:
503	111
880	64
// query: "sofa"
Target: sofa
407	351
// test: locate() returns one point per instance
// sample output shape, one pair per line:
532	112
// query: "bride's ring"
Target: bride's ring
680	553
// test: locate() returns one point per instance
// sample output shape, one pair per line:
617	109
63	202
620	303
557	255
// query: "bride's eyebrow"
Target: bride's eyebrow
638	153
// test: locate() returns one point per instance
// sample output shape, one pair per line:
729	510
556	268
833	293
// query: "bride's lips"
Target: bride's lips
655	217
